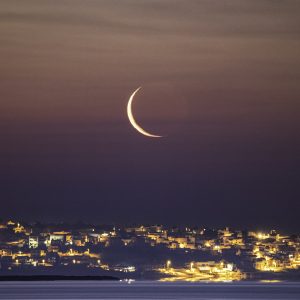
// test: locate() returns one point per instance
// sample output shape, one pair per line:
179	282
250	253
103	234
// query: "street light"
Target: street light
168	264
192	266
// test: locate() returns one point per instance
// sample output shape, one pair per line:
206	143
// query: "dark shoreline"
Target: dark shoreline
54	278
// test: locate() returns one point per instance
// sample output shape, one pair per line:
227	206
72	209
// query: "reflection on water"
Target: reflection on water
193	279
149	290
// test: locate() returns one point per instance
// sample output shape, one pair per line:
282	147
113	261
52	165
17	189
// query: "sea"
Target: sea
148	290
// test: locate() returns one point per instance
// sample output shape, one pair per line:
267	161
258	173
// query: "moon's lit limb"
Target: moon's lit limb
132	120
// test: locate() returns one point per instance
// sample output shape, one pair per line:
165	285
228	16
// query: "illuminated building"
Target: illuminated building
203	271
33	242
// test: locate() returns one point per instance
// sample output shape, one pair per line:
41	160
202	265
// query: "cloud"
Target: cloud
197	18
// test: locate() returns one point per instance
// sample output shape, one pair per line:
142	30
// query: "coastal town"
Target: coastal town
155	252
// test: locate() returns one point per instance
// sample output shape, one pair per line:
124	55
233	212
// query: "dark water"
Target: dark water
148	290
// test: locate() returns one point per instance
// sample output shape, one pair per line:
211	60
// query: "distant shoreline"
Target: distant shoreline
54	278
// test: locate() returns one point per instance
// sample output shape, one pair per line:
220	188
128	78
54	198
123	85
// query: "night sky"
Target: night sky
221	79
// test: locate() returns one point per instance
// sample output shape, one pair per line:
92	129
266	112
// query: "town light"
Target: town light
169	264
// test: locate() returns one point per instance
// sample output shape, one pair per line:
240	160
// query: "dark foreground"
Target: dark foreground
148	290
56	278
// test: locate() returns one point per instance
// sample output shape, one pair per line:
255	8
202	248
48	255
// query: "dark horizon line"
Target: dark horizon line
146	224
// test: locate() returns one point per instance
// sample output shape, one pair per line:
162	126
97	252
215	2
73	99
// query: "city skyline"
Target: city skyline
220	80
147	252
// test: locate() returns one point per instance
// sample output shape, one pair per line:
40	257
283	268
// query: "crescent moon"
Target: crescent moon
132	120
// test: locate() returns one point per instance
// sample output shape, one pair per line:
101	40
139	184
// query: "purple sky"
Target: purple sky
220	78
